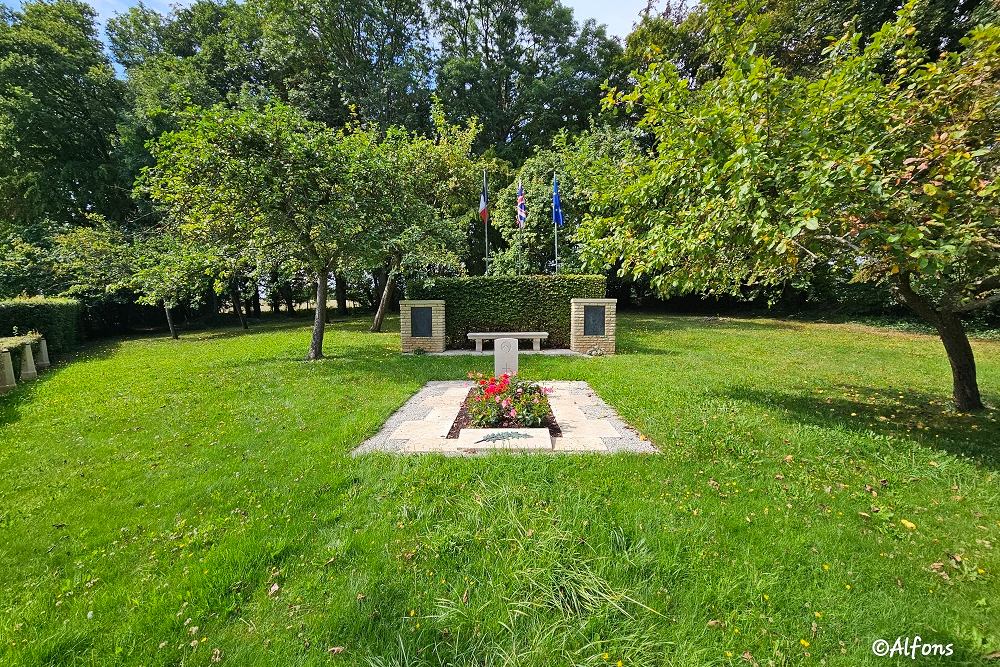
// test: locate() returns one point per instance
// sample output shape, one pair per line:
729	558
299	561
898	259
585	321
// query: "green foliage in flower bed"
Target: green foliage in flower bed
506	401
508	303
55	319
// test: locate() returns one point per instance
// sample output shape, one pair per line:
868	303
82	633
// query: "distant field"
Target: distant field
193	502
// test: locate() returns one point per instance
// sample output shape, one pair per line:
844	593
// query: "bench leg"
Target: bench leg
536	344
479	345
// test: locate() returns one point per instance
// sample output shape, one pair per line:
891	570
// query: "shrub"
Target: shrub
508	303
508	402
55	319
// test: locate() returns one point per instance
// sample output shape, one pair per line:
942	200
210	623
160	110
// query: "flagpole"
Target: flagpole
557	245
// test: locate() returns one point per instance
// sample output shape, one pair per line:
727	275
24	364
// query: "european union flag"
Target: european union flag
557	214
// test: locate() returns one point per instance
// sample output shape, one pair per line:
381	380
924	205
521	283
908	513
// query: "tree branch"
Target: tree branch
917	303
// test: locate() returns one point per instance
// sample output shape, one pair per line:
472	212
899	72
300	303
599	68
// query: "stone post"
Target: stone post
43	355
592	326
421	325
28	371
7	381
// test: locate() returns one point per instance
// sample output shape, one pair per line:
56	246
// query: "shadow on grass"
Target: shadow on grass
928	418
645	323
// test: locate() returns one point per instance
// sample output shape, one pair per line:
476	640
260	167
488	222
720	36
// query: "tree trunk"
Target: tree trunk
379	277
387	292
341	287
255	300
234	292
274	293
965	387
289	299
319	321
963	364
170	322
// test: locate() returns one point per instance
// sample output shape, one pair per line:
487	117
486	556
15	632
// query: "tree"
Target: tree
166	271
59	103
759	176
433	182
797	31
332	58
525	70
280	184
102	263
794	33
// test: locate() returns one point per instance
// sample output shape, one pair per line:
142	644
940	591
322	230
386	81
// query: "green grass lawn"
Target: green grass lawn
167	503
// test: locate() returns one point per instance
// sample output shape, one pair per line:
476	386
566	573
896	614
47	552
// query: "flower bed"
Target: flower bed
507	402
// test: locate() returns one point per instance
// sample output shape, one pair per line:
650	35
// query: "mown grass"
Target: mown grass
168	503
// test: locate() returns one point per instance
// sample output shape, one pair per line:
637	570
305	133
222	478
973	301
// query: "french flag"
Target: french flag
484	202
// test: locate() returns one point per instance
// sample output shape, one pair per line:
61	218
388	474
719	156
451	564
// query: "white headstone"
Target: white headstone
505	356
43	355
28	371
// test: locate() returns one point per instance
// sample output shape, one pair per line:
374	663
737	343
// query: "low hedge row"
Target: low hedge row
508	303
55	319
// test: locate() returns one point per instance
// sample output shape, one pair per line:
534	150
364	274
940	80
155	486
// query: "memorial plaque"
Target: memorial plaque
593	320
421	322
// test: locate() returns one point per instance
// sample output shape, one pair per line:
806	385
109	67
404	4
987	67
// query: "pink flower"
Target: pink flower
506	402
536	400
496	398
513	413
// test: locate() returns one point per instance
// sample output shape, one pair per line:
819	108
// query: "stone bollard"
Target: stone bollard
7	381
28	371
43	355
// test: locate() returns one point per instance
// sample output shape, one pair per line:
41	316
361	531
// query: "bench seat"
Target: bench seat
536	337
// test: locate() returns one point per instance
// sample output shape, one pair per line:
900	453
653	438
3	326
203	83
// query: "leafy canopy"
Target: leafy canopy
759	175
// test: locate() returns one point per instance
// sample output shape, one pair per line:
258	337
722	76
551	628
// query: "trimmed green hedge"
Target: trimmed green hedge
514	303
56	319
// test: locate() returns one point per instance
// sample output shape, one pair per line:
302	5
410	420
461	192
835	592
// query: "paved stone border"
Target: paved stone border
587	422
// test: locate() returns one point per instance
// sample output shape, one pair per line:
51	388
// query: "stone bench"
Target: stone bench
536	338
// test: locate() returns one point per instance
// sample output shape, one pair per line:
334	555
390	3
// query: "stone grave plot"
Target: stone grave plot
431	422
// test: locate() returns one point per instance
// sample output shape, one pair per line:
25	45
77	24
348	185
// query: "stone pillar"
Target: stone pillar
592	326
43	355
7	381
28	371
421	325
